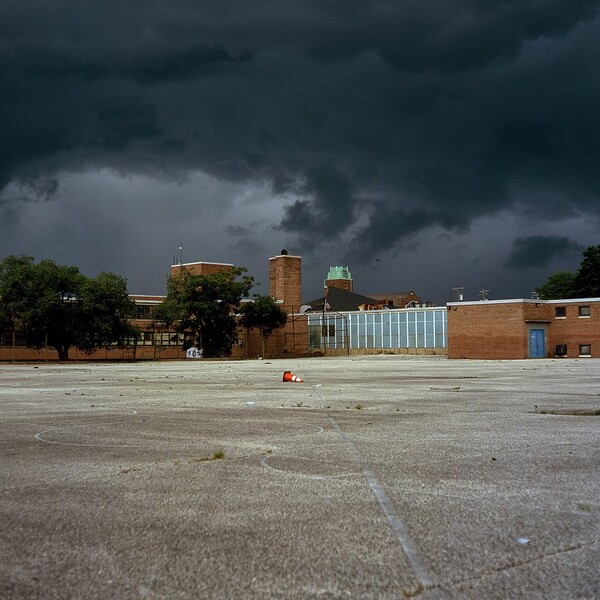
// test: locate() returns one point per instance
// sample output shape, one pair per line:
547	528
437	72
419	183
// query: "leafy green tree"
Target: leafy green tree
203	308
104	308
561	285
264	314
587	278
60	307
16	287
583	284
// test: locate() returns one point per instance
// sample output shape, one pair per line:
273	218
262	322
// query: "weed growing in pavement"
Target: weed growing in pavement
358	407
417	591
219	454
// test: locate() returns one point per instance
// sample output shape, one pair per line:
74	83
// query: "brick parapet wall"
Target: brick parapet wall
201	268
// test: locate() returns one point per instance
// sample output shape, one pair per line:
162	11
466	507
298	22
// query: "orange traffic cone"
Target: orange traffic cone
288	376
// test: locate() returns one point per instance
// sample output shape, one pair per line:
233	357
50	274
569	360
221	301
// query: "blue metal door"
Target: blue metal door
537	347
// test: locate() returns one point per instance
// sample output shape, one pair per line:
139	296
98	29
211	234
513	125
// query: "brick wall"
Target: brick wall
8	354
342	284
500	330
290	340
574	330
485	331
201	268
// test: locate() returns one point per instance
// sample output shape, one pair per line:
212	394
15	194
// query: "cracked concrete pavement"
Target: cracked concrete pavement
378	477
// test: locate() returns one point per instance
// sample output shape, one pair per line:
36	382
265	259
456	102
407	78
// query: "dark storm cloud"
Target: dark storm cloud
382	234
185	64
399	116
540	250
330	206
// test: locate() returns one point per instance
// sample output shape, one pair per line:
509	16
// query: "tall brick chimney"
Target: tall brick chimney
285	280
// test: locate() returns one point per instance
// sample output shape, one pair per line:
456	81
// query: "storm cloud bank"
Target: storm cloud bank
374	121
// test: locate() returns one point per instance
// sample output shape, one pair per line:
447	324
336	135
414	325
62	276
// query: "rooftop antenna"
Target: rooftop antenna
181	253
459	292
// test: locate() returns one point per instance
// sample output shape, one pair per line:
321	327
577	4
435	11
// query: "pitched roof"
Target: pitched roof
340	300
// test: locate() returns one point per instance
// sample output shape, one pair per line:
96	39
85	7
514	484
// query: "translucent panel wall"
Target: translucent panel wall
401	328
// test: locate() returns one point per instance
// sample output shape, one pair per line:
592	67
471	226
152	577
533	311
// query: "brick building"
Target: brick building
201	268
406	299
285	287
528	328
495	329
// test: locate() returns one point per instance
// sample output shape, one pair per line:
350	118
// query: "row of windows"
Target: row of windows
563	350
560	312
159	338
141	311
148	338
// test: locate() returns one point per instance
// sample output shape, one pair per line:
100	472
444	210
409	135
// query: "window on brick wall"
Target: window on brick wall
147	338
584	311
585	350
560	312
560	350
142	311
167	338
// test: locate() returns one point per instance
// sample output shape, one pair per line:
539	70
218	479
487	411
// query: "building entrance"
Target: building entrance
537	346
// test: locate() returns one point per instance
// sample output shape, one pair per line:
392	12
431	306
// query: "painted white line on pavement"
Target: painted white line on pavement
387	507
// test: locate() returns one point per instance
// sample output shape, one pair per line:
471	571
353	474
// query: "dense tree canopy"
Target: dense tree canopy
587	278
264	314
57	306
583	284
203	308
557	286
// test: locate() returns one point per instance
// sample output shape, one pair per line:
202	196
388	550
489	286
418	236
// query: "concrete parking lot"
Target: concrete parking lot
378	477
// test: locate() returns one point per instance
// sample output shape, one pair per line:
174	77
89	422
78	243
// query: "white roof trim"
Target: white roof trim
524	301
201	262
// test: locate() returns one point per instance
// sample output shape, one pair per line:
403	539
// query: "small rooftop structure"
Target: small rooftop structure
398	299
338	277
339	273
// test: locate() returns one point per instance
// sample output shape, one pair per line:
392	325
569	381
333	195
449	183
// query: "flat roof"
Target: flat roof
524	301
201	262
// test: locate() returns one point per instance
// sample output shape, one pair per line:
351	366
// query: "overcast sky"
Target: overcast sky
425	145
